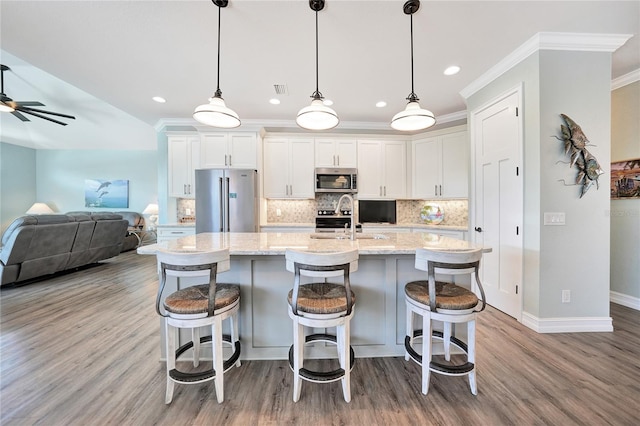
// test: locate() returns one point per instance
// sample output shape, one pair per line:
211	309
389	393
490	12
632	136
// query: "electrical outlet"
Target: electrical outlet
188	212
278	212
566	296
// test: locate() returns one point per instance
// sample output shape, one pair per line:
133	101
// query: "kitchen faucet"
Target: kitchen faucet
353	212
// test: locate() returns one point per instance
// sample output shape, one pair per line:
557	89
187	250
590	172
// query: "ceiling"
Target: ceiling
103	61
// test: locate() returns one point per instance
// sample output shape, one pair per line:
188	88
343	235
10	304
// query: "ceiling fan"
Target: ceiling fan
17	108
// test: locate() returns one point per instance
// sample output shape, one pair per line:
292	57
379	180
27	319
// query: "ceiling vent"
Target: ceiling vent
281	89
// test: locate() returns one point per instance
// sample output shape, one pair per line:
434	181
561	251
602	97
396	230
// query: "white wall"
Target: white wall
574	256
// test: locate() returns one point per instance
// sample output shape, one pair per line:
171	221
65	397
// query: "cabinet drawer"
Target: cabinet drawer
166	234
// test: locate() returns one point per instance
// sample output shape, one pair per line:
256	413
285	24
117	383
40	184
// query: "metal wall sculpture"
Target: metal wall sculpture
575	143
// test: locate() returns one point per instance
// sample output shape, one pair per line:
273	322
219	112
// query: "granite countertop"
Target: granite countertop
270	243
391	226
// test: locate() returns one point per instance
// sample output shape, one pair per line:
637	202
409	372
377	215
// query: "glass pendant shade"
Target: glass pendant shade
317	116
216	114
413	118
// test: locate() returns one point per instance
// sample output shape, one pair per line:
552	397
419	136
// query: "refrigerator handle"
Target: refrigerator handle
221	205
226	213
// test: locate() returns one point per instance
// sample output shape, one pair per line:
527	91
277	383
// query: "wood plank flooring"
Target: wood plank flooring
83	349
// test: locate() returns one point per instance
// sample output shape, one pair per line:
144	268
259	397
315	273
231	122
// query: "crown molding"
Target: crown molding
623	80
584	42
254	125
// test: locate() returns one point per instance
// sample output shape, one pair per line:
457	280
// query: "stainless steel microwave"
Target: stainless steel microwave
336	180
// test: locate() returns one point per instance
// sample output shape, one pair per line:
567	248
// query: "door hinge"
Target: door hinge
517	230
516	111
516	288
517	171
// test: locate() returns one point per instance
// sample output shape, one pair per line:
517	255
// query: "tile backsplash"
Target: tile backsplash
456	212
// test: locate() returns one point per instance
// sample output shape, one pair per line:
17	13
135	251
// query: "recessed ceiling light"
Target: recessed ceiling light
274	101
453	69
159	99
381	104
327	102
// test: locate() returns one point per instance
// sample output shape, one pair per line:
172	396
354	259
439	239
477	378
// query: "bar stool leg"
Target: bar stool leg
170	350
234	334
471	354
216	340
446	340
410	318
195	338
298	358
344	342
426	351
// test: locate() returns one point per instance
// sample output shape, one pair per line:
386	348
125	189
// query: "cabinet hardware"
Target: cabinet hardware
225	160
338	162
440	187
385	191
435	190
229	160
184	188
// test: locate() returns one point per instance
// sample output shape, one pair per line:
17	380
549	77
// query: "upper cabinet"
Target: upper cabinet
228	150
440	166
335	153
382	169
288	167
184	158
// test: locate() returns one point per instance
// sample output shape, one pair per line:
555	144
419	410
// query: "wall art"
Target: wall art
625	179
575	142
106	193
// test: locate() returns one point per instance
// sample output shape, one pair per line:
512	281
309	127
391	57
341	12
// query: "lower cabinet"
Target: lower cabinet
173	232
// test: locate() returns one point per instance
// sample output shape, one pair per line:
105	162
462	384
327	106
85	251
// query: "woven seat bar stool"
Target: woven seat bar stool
203	305
321	305
452	304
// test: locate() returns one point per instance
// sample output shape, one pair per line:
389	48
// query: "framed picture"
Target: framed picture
106	193
625	179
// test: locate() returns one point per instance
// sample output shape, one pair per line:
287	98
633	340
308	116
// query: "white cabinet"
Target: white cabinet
183	158
228	150
336	153
441	166
166	233
382	169
288	168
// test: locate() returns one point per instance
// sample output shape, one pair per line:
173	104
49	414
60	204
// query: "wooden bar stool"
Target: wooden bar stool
321	304
198	306
452	304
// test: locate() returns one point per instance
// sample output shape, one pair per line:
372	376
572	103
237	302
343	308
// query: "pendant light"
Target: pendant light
317	116
216	113
413	117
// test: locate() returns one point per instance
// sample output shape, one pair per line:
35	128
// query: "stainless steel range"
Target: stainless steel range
330	221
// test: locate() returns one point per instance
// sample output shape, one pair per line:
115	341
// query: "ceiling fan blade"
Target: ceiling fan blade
42	116
29	103
22	108
20	116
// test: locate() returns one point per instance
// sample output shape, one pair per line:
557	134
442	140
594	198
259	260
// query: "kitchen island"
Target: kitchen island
386	264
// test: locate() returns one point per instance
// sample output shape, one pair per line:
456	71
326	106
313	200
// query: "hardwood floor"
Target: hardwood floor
83	348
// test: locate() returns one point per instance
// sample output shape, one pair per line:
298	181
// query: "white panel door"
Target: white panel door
498	209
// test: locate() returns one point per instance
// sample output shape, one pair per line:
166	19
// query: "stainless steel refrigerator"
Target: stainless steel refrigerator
226	200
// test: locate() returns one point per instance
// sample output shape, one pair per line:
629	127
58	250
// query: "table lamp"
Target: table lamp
152	211
39	208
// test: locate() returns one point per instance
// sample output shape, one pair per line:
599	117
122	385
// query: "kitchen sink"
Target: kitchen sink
342	236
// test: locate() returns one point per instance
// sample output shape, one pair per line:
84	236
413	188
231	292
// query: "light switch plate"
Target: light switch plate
554	218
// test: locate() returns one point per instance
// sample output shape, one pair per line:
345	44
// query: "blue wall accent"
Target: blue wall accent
17	182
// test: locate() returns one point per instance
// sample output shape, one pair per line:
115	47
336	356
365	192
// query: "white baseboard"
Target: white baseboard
625	300
567	325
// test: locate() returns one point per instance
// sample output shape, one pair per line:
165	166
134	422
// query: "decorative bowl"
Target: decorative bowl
432	214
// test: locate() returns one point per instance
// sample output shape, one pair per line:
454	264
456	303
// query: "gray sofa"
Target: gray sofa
135	230
34	246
